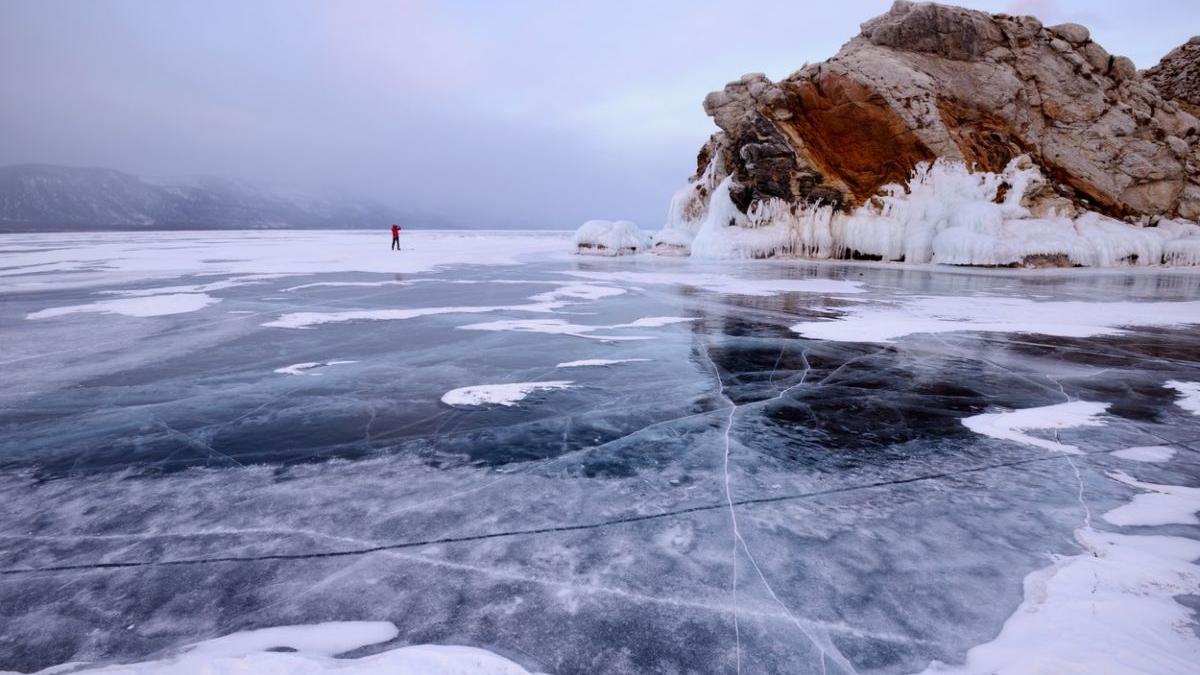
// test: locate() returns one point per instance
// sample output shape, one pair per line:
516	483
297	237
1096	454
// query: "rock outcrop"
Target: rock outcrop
1177	76
928	82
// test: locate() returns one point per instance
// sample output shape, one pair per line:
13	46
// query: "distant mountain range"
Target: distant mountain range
44	197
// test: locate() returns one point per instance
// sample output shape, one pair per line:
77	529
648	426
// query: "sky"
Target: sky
494	114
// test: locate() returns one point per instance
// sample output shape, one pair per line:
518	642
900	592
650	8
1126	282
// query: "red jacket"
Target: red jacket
395	231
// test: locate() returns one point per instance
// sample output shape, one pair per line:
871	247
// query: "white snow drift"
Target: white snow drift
313	649
499	394
944	314
1189	395
1011	426
607	237
945	214
139	306
584	363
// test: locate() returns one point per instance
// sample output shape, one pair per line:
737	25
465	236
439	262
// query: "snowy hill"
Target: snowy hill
47	197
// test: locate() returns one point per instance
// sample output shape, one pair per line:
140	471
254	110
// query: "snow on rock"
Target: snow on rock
140	306
596	362
607	237
1189	395
1153	453
945	214
1161	505
1011	426
942	314
313	649
1109	610
499	394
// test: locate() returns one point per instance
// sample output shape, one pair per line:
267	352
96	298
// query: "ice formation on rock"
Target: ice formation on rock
945	214
607	237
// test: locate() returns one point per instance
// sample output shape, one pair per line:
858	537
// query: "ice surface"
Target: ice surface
728	283
733	494
500	394
1150	453
1011	426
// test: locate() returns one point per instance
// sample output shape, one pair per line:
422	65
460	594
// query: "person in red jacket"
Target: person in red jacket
395	236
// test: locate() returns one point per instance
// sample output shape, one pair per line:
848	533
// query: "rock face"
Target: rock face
1177	76
928	81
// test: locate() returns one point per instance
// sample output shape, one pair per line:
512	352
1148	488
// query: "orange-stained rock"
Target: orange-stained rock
926	81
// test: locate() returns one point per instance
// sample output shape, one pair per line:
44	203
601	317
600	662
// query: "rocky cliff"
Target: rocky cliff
1177	76
1042	121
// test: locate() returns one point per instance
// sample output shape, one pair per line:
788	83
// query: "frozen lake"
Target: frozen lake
588	465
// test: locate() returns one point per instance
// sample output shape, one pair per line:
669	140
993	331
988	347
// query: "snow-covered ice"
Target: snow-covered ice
1013	425
1148	453
312	649
1189	395
499	394
1109	610
144	305
595	362
886	323
303	368
1158	505
992	469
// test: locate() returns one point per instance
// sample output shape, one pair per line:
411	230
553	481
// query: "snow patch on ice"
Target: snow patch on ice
499	394
578	292
1111	610
144	306
365	284
876	323
596	362
302	368
1161	505
1189	393
313	649
1011	426
1151	453
563	327
309	319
